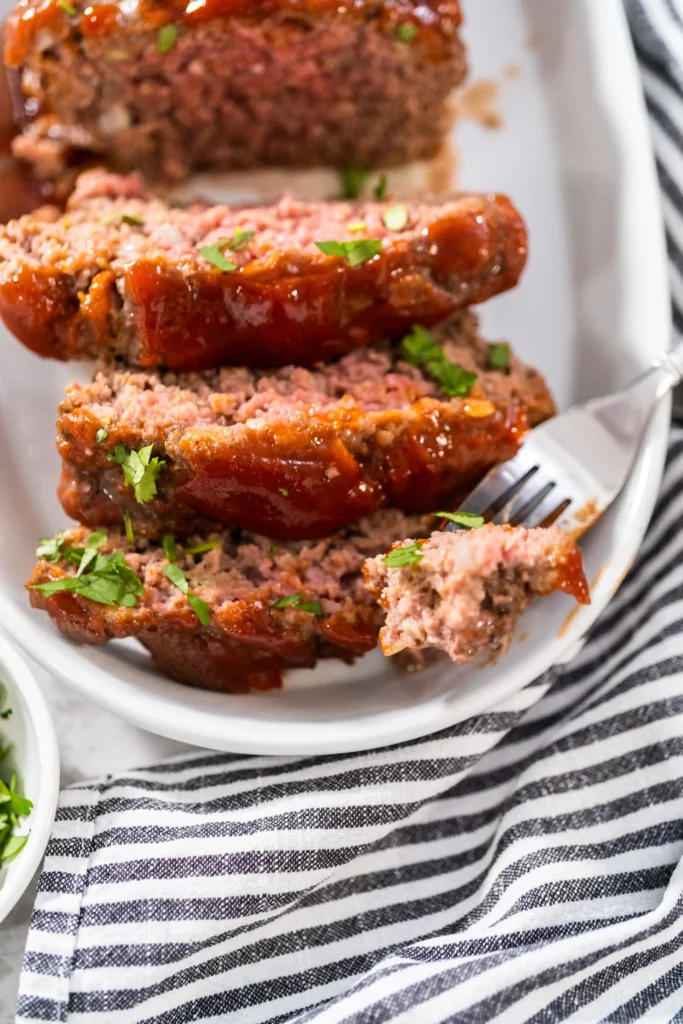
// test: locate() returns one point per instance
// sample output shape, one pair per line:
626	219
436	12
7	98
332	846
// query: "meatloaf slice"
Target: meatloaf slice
267	607
123	274
463	592
292	453
170	87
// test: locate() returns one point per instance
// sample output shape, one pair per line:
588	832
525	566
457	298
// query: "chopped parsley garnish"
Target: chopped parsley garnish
199	607
169	545
12	804
465	519
114	219
406	32
358	251
7	713
284	491
132	219
395	218
353	181
408	554
199	549
240	240
50	548
274	548
101	435
128	525
420	349
140	470
110	581
380	189
93	544
166	38
214	254
297	601
67	7
499	356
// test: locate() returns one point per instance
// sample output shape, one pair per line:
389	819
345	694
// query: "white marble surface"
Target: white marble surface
92	743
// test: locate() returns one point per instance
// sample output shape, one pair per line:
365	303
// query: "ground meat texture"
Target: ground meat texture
244	84
121	274
247	642
294	453
468	590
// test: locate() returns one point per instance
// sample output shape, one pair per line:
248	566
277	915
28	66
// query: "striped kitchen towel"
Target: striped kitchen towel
522	866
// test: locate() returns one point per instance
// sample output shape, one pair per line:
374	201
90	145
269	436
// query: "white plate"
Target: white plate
36	760
593	310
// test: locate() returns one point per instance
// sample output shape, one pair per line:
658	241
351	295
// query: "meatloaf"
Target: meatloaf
293	453
239	609
190	289
463	592
170	86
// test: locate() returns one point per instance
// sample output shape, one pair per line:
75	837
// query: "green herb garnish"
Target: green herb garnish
395	218
140	470
101	435
51	548
465	519
132	219
240	240
353	181
169	545
67	7
110	581
7	713
420	349
283	491
214	254
93	544
199	607
274	548
199	549
408	554
13	805
406	32
358	251
166	38
128	526
380	189
297	601
499	356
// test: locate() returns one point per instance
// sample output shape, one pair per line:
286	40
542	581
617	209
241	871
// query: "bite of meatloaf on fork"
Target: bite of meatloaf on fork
463	592
124	274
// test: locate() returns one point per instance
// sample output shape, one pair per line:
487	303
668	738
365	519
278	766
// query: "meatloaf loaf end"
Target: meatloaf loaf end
293	453
236	610
176	86
189	289
463	592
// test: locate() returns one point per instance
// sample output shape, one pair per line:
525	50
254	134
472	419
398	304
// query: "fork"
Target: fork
570	469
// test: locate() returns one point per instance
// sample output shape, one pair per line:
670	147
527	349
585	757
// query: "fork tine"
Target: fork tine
546	512
525	501
499	486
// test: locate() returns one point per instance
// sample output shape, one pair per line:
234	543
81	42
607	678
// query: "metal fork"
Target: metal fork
571	468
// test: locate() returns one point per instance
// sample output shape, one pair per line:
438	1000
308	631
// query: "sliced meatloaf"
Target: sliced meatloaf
169	86
123	274
463	592
235	613
293	453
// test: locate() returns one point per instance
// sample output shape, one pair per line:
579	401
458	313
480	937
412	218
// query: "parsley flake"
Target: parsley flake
420	349
274	548
283	491
132	219
406	32
169	545
199	549
353	181
358	251
297	601
140	470
101	435
67	7
128	525
50	548
7	713
110	581
240	240
395	218
178	579
380	189
465	519
166	38
407	554
499	356
214	254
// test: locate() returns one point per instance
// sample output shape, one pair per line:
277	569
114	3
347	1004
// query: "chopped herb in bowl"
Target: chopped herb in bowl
14	806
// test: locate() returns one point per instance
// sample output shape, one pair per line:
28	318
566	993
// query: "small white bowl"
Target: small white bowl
35	758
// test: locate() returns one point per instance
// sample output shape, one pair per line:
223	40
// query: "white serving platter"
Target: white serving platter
593	309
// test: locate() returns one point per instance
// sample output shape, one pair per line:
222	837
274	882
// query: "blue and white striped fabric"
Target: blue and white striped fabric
523	866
